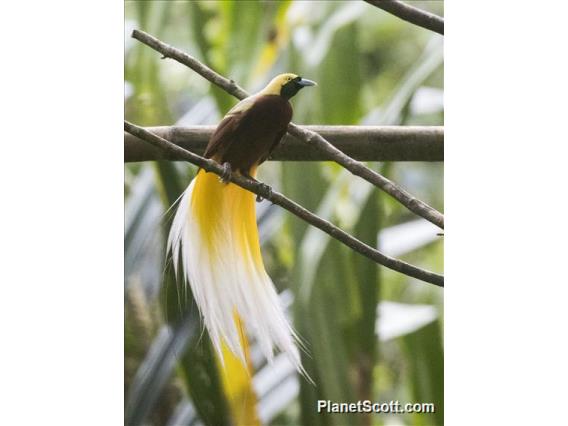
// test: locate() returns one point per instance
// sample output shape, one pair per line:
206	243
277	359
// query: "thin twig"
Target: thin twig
356	167
266	192
411	14
359	169
364	143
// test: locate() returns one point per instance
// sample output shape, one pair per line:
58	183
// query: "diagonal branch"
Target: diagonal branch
266	192
356	167
365	143
411	14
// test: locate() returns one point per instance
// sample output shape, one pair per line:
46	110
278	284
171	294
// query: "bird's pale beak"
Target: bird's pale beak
305	82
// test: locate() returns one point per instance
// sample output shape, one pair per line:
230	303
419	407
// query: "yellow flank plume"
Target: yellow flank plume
216	203
207	203
238	384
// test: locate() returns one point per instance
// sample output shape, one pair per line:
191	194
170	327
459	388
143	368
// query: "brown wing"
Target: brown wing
222	136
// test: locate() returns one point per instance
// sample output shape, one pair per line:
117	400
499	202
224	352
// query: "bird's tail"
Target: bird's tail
214	237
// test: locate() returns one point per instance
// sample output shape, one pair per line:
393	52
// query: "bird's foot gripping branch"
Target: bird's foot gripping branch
226	175
266	191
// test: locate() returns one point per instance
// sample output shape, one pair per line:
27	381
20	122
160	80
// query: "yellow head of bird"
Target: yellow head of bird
286	85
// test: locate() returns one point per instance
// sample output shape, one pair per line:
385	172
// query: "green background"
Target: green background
371	333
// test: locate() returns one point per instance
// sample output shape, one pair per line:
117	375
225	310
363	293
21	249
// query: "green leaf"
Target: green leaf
294	177
362	331
345	81
426	371
156	370
429	61
141	257
399	319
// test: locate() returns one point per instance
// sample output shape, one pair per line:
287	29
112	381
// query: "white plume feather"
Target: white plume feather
224	277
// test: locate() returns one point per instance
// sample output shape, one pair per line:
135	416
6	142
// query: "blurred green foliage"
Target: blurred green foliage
370	333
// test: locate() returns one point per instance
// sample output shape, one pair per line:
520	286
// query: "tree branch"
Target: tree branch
357	168
266	192
364	143
411	14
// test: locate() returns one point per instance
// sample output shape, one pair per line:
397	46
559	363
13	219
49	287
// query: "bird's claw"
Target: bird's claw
266	191
226	175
